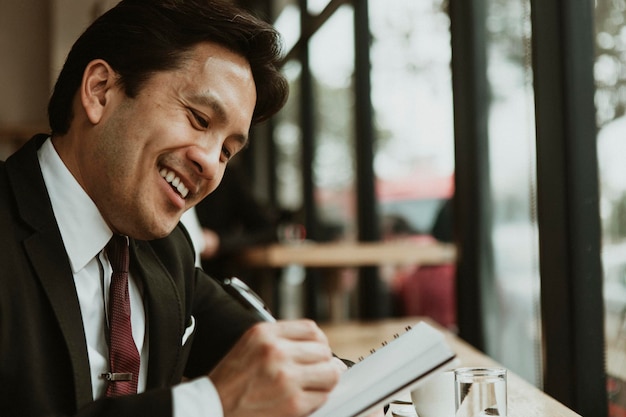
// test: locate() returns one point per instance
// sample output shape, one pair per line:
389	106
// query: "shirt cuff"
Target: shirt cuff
197	398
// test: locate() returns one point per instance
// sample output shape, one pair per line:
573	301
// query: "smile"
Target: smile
174	181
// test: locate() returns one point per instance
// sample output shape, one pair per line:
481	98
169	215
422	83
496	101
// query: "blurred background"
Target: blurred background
494	126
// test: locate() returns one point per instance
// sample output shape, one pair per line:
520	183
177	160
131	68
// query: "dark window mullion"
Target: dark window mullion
568	212
472	185
371	293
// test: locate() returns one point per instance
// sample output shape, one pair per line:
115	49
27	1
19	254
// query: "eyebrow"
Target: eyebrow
209	100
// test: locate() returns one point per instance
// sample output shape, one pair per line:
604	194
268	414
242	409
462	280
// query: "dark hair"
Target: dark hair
141	37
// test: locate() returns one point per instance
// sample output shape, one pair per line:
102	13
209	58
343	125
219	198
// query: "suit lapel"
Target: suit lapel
45	248
164	313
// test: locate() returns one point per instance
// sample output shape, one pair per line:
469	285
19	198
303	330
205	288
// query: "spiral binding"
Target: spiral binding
385	343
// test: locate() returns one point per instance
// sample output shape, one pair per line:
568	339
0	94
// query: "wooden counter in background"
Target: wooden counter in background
337	255
352	340
348	254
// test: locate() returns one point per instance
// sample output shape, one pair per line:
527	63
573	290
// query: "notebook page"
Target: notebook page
399	365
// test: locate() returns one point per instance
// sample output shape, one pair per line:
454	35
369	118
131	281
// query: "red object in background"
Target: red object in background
419	185
617	396
430	291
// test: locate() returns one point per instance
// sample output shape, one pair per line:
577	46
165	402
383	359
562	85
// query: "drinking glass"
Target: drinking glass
480	392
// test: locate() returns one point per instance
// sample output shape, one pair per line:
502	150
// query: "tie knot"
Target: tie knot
117	251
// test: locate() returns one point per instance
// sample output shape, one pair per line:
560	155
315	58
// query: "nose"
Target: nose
206	160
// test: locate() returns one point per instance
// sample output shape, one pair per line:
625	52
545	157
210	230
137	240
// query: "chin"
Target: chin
159	235
154	231
163	232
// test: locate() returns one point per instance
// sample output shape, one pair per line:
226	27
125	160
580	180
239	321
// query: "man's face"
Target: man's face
156	155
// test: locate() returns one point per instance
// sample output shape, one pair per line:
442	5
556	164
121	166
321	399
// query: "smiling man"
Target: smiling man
102	312
157	154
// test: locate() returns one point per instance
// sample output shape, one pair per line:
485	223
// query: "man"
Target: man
154	99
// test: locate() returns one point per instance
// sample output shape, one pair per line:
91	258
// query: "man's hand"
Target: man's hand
283	369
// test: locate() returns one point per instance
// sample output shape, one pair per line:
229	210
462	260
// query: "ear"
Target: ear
98	81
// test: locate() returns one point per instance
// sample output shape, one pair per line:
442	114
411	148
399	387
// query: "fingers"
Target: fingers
277	369
295	330
301	330
301	340
309	352
320	376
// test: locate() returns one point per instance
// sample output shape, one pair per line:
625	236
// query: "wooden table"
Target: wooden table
351	340
334	256
348	254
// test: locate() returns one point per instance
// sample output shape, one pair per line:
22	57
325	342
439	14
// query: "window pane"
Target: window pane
288	23
332	66
414	157
610	76
288	141
316	6
512	317
412	100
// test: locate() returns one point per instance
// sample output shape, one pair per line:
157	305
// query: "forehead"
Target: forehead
213	59
210	78
208	72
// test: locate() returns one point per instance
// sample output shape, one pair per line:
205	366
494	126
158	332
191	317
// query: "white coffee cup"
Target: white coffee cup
435	396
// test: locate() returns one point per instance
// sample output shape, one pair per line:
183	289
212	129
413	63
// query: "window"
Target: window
610	98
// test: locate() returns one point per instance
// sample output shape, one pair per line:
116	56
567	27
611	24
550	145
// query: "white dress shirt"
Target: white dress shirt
85	234
194	228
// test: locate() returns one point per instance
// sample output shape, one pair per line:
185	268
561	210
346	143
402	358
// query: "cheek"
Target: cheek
117	159
211	186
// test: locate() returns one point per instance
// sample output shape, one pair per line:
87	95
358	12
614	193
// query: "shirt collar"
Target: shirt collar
83	230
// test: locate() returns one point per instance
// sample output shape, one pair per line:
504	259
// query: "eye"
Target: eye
227	153
199	121
231	148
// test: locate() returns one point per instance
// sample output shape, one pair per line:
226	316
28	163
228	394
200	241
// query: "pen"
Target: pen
248	298
251	301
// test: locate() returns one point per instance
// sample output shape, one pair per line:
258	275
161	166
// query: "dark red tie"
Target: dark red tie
123	354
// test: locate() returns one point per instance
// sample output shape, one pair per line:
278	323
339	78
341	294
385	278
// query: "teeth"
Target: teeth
171	177
182	190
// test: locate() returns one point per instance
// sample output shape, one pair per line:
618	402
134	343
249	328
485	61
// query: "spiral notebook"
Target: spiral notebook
401	364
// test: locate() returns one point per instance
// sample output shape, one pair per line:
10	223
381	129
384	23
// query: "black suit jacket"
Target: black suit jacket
44	368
